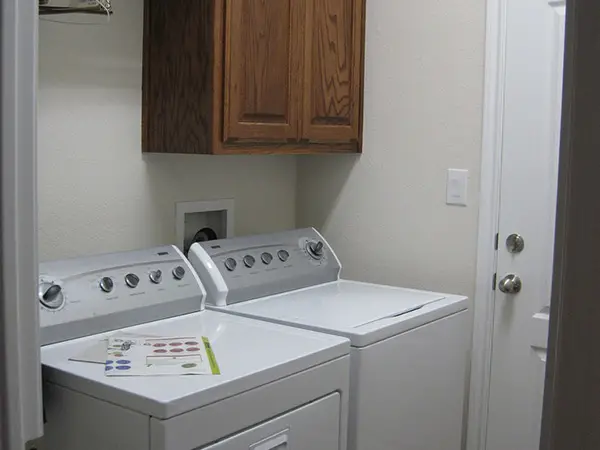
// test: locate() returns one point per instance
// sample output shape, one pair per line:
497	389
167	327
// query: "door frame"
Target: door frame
489	208
20	382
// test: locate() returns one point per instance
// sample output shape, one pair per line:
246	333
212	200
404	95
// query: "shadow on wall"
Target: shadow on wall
263	187
93	56
317	212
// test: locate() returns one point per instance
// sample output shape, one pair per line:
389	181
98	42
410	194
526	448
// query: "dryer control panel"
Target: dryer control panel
89	295
249	267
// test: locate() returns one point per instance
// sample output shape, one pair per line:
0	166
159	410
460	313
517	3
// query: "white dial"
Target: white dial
50	294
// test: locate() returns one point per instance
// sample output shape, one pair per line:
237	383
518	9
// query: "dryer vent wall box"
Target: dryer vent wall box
292	389
203	221
410	348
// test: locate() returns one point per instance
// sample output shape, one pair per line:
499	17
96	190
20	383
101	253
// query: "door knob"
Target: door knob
510	284
515	243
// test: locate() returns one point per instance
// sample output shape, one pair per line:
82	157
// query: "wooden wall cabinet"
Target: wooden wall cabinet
253	76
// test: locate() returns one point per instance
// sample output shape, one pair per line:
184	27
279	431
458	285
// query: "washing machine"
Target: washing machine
279	387
410	348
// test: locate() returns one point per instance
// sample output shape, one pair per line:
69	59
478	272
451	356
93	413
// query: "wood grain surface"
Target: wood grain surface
253	76
177	84
333	70
262	60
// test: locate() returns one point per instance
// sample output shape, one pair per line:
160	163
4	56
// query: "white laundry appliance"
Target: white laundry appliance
279	387
410	349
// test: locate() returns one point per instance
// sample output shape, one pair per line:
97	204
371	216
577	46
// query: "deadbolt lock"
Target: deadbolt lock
515	243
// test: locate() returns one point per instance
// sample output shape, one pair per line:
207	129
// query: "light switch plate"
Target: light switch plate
457	187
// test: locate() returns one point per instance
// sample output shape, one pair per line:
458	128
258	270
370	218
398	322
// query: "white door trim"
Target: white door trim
491	153
20	381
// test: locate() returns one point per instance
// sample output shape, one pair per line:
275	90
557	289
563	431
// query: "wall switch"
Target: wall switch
456	187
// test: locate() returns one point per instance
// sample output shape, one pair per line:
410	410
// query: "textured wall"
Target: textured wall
97	192
385	211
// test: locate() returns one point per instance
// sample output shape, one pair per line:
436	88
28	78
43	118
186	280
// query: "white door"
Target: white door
20	377
528	187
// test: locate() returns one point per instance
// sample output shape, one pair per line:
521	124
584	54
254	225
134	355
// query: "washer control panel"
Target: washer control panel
256	266
83	296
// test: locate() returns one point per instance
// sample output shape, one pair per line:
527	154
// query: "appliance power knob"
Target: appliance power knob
107	284
315	249
249	261
51	295
230	264
132	280
179	272
283	255
155	276
266	258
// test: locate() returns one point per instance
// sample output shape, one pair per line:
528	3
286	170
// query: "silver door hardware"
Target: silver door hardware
515	243
510	284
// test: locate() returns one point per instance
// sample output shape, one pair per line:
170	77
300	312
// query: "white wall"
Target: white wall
385	211
97	193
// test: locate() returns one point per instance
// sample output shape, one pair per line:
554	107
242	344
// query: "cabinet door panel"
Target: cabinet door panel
178	82
262	63
333	70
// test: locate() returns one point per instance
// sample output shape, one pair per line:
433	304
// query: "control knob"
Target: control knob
315	249
249	261
230	264
132	280
51	295
266	258
179	272
106	284
155	276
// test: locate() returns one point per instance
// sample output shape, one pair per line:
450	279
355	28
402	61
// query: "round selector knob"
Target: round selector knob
179	272
132	280
155	276
283	255
315	249
266	258
249	261
107	284
230	264
51	295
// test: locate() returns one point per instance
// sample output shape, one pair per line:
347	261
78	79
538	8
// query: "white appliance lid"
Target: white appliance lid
250	353
341	305
364	313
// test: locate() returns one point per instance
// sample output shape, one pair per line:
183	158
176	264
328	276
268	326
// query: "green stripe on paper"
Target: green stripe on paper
212	360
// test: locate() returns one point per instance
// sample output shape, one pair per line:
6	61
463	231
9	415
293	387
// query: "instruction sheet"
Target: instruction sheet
128	355
96	353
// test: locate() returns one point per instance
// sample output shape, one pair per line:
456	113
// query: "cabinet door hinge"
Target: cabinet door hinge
494	282
496	242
